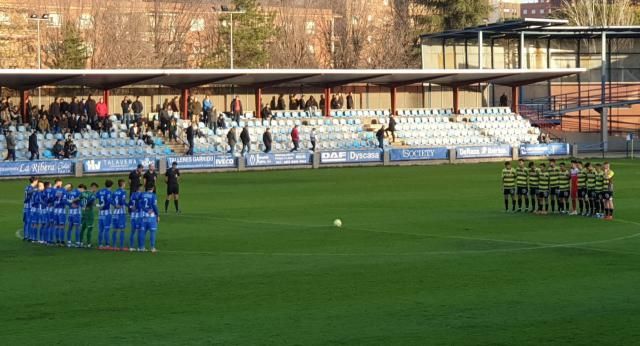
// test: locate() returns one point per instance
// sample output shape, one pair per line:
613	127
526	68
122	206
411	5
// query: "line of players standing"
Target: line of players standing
590	187
48	208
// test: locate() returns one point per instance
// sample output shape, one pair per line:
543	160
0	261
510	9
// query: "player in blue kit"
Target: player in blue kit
26	212
37	214
135	219
47	232
150	218
59	212
104	215
75	214
118	214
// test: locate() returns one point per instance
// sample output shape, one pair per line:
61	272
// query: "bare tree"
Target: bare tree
598	12
296	43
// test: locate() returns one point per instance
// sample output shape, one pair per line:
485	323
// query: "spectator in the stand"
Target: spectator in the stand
5	109
173	131
312	104
11	146
273	104
504	100
197	110
42	111
90	107
54	108
232	139
350	100
83	122
27	107
293	103
236	109
133	131
63	124
73	123
64	106
281	104
340	101
43	125
164	119
380	137
126	110
267	140
313	138
322	102
137	109
295	138
334	102
74	107
16	117
300	103
265	114
174	107
220	122
70	148
33	117
392	128
190	110
58	150
101	110
191	131
34	149
207	109
246	140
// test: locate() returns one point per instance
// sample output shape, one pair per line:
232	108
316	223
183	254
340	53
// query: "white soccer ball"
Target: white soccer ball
337	223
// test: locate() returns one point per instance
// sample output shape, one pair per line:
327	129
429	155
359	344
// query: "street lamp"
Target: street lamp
38	19
226	10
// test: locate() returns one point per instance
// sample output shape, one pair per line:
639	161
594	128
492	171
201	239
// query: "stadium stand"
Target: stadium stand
345	129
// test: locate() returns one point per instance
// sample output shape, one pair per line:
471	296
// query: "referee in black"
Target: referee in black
150	177
172	177
135	180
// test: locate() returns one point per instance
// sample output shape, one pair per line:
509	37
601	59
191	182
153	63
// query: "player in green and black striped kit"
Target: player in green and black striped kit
599	190
543	189
583	199
533	185
564	187
554	184
522	183
509	185
591	189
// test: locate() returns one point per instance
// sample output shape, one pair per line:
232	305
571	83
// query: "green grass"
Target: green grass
426	256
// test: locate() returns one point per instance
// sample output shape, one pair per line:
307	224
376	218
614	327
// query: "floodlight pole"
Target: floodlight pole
231	13
39	19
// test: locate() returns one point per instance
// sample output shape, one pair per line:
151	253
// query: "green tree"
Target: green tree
453	14
252	32
69	52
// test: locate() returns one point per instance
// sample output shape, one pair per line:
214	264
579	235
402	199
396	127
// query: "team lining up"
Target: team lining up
589	186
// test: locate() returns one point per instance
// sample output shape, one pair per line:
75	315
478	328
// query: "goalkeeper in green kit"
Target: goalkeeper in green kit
87	202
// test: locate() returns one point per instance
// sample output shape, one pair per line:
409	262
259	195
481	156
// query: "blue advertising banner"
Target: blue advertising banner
29	168
418	154
551	149
116	164
351	156
203	161
483	151
278	159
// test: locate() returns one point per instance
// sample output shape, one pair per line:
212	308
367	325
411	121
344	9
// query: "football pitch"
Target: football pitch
426	256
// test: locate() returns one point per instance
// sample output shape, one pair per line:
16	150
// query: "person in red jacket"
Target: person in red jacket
101	109
295	138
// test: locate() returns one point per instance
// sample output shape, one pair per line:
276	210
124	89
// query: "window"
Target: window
310	27
369	18
55	19
385	2
533	11
311	48
197	24
5	19
542	11
525	11
85	21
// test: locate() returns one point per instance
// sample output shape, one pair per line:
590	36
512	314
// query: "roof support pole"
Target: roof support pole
515	91
24	106
480	44
105	98
327	102
456	99
258	92
604	114
185	103
394	99
521	52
